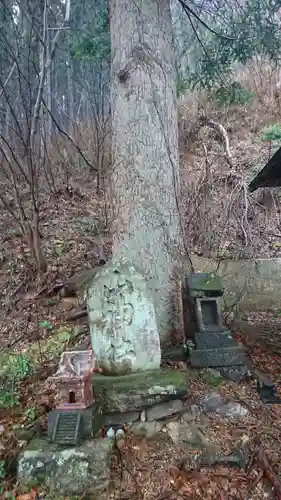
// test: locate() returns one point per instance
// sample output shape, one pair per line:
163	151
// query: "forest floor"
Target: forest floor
73	233
32	314
222	219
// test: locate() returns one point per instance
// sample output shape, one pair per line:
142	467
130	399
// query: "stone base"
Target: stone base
214	358
216	339
138	391
67	471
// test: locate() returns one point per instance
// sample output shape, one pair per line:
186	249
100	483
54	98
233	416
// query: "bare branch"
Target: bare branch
7	79
207	122
46	65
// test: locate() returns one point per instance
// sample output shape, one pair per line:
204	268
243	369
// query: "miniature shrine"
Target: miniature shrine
215	345
72	419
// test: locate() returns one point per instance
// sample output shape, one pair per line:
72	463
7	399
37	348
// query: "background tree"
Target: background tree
212	37
145	162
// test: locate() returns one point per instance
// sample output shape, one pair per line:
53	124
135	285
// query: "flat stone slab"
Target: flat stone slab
163	410
138	391
217	339
121	418
67	471
215	403
228	356
202	284
235	373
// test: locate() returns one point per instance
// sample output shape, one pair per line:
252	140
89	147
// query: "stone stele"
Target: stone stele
122	320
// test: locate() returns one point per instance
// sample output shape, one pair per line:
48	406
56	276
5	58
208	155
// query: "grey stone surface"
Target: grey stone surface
251	284
191	414
208	314
146	429
233	410
121	418
122	320
228	356
138	391
66	471
213	372
211	402
189	436
201	284
163	410
235	373
215	403
215	339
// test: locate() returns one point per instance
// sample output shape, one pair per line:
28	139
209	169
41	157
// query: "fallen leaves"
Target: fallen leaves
32	495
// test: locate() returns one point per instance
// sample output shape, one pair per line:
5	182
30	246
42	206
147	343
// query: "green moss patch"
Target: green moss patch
19	365
141	381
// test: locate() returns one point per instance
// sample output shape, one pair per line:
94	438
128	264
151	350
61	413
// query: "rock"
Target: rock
137	391
213	372
143	416
189	436
233	410
121	418
192	414
235	373
110	433
163	410
120	438
214	403
69	471
173	431
146	429
122	320
120	433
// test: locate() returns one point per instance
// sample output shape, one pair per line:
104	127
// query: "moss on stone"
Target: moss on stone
141	381
137	391
68	470
41	444
211	379
205	282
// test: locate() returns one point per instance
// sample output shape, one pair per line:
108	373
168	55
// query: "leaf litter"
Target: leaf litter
150	468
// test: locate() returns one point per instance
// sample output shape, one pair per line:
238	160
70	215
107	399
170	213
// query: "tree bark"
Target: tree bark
145	172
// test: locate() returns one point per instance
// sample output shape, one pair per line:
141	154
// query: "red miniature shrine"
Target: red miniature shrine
74	380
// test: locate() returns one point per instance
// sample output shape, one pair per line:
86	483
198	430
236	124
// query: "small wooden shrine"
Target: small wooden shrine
73	418
74	380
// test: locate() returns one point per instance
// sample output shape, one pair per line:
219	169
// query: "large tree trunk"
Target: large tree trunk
145	177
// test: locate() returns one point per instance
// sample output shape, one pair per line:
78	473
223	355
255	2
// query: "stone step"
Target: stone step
67	427
211	340
213	358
